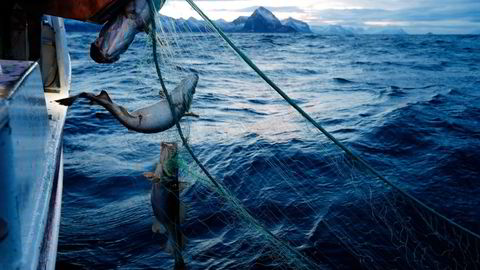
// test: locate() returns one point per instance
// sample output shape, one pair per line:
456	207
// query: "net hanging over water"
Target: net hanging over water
284	195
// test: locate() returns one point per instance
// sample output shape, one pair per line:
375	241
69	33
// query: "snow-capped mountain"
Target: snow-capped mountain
263	21
298	25
230	26
194	25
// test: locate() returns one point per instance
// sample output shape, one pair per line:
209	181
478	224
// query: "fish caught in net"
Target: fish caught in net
279	193
316	207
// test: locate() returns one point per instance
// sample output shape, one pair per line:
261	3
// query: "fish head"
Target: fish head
114	39
118	33
182	95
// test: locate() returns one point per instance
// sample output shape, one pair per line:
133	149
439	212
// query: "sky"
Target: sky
414	16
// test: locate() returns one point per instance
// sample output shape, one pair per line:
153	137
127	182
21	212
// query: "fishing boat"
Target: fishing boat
31	170
35	70
406	231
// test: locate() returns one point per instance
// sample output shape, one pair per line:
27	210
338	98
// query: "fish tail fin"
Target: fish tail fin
102	96
67	101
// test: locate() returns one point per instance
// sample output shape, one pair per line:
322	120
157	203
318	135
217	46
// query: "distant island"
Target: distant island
262	20
339	30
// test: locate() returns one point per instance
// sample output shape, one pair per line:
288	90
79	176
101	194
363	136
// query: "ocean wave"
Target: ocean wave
408	105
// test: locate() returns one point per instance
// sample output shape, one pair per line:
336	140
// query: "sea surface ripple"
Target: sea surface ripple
409	104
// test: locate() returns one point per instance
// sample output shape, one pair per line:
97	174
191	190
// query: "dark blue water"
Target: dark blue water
410	105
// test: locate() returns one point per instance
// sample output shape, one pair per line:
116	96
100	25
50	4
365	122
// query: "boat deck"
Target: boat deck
11	72
31	167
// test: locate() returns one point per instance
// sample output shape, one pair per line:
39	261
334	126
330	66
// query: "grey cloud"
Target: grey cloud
420	14
468	12
273	9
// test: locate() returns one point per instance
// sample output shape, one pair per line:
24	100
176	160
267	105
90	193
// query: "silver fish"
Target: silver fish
165	199
151	119
118	33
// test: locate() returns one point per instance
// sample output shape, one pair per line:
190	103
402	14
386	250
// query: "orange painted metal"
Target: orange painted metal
97	11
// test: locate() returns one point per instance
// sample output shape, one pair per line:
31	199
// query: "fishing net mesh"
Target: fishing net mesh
288	198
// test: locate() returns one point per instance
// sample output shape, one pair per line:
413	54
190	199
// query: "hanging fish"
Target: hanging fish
151	119
165	199
118	33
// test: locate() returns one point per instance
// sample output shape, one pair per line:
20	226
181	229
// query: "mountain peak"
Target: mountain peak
267	14
298	25
240	20
263	21
260	8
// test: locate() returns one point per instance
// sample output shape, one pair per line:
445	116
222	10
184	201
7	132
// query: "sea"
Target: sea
408	104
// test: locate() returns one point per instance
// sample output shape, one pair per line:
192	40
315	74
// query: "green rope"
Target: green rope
153	33
319	127
220	188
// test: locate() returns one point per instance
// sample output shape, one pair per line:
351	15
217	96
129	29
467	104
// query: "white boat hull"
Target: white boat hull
31	160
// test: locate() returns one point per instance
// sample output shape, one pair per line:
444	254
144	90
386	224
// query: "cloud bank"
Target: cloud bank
421	16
